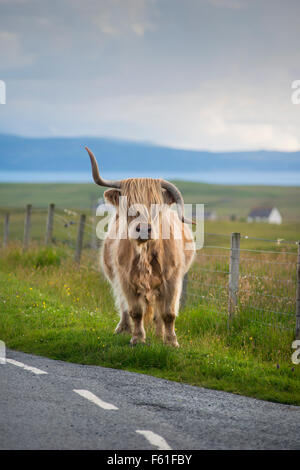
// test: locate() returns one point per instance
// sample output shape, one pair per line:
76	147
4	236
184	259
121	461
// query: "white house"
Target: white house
210	215
265	214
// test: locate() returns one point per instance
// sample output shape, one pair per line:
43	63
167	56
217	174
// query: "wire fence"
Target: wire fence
265	287
232	275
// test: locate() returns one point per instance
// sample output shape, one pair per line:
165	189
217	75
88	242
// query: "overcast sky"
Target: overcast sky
201	74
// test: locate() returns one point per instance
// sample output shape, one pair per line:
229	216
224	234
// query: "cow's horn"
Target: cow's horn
178	200
96	175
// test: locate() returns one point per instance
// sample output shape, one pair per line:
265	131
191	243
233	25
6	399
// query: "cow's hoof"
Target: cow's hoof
172	342
136	340
123	328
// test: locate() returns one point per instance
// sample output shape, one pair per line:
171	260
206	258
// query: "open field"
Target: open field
51	307
225	200
288	231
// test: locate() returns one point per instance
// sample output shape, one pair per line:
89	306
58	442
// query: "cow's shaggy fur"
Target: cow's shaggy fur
147	277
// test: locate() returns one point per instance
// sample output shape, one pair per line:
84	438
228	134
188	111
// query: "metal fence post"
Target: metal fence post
49	226
6	230
234	273
27	226
184	290
298	295
79	241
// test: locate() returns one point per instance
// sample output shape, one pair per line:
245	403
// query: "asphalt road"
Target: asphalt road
74	406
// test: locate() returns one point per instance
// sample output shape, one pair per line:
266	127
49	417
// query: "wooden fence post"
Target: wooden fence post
27	226
49	226
94	234
298	295
234	273
184	291
6	230
94	206
79	241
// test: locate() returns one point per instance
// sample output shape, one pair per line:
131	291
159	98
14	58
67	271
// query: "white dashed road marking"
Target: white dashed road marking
93	398
24	366
155	440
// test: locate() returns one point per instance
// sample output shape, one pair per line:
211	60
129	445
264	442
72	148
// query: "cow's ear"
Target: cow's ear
112	196
168	198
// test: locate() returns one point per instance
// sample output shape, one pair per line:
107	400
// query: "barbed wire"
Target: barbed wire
212	271
251	251
208	293
269	251
207	284
269	311
215	246
278	241
211	255
199	296
68	234
90	228
266	261
256	276
270	295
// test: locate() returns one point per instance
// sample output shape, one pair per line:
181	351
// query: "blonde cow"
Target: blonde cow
147	250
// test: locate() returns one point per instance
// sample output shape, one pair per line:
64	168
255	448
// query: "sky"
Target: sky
194	74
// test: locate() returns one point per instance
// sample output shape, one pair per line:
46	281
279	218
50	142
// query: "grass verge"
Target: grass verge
48	306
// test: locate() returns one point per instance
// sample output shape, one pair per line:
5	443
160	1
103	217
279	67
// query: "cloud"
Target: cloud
196	74
119	17
11	53
212	117
235	4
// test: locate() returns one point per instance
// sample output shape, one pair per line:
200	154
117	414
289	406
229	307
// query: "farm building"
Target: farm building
210	215
265	214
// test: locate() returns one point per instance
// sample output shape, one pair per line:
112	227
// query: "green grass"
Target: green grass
51	307
42	194
226	200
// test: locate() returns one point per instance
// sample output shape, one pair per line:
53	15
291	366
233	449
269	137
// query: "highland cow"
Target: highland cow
147	250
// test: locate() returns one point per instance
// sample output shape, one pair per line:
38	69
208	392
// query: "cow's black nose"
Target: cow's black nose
144	231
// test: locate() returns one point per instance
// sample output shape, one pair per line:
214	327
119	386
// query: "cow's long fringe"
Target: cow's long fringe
144	191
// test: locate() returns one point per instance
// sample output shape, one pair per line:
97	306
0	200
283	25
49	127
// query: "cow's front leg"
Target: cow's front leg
139	335
169	306
159	325
125	324
169	322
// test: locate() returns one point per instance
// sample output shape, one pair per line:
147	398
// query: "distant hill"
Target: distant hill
63	154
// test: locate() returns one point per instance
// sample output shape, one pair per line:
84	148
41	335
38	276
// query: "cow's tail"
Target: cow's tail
148	317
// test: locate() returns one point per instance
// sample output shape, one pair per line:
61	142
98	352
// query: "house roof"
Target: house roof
260	212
